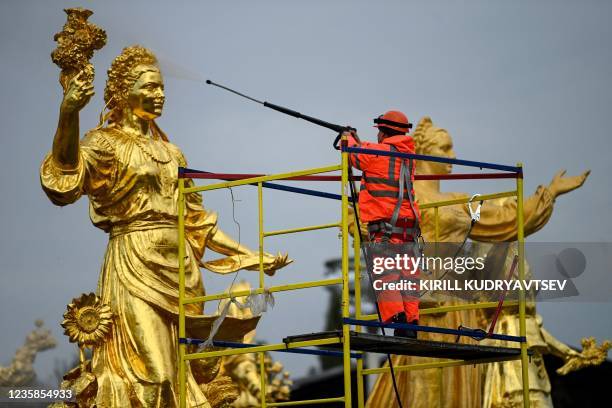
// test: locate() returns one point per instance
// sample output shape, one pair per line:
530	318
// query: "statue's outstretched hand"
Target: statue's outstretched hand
591	355
561	184
275	262
77	95
573	361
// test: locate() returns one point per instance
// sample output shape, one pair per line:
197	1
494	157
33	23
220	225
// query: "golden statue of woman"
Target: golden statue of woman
128	169
459	387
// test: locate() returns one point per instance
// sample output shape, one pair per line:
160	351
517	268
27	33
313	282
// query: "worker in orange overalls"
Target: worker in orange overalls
387	205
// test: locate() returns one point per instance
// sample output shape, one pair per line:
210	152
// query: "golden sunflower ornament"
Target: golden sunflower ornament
87	320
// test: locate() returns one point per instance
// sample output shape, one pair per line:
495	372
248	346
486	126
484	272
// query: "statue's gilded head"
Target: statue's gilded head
134	83
433	141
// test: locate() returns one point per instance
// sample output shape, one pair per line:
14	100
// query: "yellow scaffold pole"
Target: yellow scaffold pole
262	369
357	274
346	346
181	258
261	233
522	297
262	356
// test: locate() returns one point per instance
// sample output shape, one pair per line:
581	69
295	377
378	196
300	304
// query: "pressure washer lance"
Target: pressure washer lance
338	129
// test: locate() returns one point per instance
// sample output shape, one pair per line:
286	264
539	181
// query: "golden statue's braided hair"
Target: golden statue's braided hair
424	139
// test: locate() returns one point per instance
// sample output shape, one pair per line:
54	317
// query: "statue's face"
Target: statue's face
146	99
443	146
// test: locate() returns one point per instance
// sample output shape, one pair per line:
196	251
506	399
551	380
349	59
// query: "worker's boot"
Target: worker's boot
401	318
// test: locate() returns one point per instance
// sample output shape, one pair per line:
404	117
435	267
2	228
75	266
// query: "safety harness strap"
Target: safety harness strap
400	195
409	184
382	226
405	179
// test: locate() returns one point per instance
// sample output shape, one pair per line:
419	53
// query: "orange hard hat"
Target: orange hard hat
395	120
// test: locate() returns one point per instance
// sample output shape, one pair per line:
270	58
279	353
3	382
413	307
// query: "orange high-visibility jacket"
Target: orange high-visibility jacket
380	185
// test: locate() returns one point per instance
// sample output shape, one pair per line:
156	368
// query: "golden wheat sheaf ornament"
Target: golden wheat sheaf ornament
87	320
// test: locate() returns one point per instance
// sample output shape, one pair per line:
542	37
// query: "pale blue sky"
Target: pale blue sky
511	81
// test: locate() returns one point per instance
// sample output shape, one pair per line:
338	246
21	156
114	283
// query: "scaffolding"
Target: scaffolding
351	344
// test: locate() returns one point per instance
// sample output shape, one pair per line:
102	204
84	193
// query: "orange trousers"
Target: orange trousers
393	302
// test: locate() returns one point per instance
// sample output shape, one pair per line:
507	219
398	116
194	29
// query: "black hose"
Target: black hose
286	111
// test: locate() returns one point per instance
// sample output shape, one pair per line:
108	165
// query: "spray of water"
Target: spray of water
174	70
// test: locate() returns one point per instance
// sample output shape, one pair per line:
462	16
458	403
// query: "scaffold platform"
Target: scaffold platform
376	343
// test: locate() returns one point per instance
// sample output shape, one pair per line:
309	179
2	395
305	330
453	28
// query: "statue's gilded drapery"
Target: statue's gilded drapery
132	185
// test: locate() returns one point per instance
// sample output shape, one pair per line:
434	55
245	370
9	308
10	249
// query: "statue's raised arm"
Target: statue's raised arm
66	141
76	44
